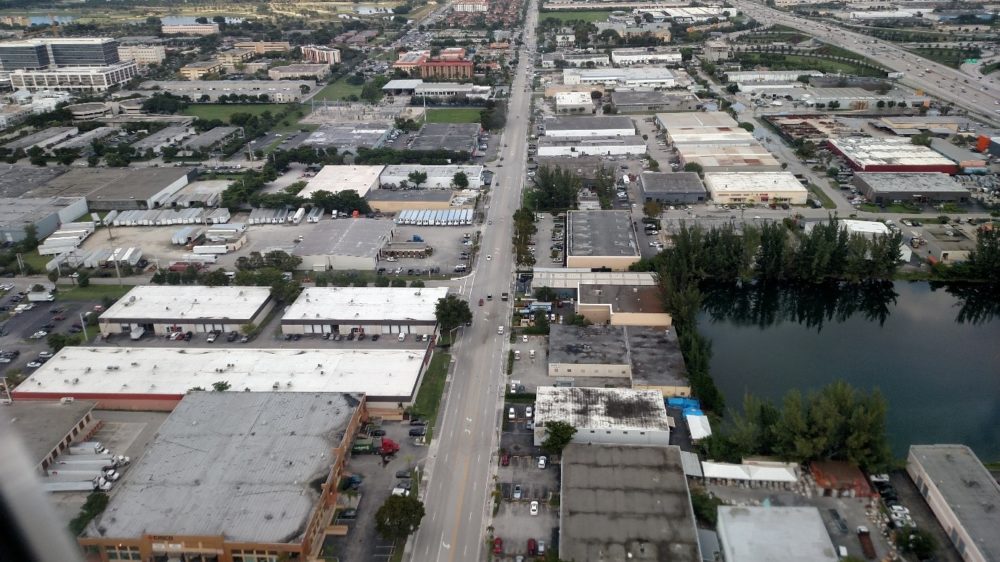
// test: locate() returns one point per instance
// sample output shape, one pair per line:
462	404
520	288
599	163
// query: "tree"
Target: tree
83	279
398	517
558	434
546	294
460	180
918	542
747	126
652	209
58	341
984	259
220	386
732	88
452	312
53	275
694	167
417	177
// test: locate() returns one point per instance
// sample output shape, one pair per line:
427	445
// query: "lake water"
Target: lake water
933	352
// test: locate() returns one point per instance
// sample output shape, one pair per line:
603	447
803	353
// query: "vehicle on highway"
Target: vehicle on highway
489	257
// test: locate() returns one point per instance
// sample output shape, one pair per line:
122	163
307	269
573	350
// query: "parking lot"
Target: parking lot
362	543
550	240
448	243
530	372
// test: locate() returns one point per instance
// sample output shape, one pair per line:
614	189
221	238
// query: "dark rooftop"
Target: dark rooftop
436	195
447	136
671	182
656	357
42	425
623	298
595	345
601	233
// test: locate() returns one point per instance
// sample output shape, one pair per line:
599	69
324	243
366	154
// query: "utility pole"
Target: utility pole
83	324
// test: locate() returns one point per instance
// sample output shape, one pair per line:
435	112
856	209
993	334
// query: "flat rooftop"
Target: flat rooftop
16	180
161	137
671	182
210	137
623	502
656	358
587	345
345	237
622	298
572	278
32	139
934	182
774	534
433	171
365	304
415	195
187	303
587	123
448	136
171	372
17	212
343	178
42	425
715	156
601	233
888	151
369	135
752	181
602	408
625	73
249	475
111	183
650	98
969	489
583	142
697	119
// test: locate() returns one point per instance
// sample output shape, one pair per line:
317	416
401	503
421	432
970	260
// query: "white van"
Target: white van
402	336
500	330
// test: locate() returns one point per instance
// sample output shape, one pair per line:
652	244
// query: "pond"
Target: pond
934	352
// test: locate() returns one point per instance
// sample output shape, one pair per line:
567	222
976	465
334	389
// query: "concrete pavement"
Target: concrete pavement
462	458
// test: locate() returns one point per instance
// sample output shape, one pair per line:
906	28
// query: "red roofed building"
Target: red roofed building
840	478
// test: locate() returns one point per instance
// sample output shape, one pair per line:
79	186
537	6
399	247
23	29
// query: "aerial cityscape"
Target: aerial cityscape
509	281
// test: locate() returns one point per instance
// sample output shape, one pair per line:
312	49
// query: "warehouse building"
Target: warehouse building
213	137
968	162
438	177
703	128
284	91
566	282
45	214
657	361
617	304
866	154
363	310
728	158
774	534
293	71
168	136
963	496
672	188
349	137
870	230
605	416
338	178
574	102
117	188
459	137
157	378
48	428
344	244
625	503
771	75
645	55
258	483
591	351
628	77
392	201
601	240
888	188
655	101
591	146
42	139
756	187
602	126
163	309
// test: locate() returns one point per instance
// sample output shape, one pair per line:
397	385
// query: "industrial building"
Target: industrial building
189	29
344	244
44	139
591	146
672	188
771	75
338	178
645	55
625	503
321	54
602	126
728	158
601	239
157	378
117	188
284	91
566	282
258	483
870	230
865	154
45	214
438	177
317	71
363	310
968	162
574	102
47	428
628	77
920	188
162	309
458	137
212	138
608	416
949	243
452	89
34	54
591	351
349	137
703	128
756	187
398	200
167	136
655	101
617	304
774	534
963	496
574	60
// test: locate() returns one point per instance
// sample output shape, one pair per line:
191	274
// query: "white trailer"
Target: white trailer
298	216
216	249
55	487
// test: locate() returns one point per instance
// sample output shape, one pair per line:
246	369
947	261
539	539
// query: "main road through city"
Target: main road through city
978	96
462	457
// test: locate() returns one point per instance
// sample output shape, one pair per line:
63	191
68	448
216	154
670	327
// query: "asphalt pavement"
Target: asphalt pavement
463	455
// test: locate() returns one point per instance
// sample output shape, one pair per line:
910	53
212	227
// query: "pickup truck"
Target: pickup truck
865	538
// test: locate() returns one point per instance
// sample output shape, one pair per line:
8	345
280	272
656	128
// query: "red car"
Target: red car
480	302
532	547
498	546
505	459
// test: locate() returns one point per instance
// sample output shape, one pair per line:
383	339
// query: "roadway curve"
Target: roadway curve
462	458
981	96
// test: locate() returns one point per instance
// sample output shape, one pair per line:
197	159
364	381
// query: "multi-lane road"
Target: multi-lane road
462	458
978	96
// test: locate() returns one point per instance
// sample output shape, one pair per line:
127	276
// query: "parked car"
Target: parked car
505	459
417	421
498	546
212	336
418	431
517	492
349	513
534	507
542	460
378	433
532	547
402	474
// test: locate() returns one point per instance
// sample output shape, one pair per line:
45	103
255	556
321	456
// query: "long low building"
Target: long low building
865	154
338	178
284	91
655	101
609	416
452	89
629	77
756	187
438	177
591	146
162	309
703	128
672	187
350	244
363	310
157	378
887	188
728	158
645	55
601	239
601	126
117	188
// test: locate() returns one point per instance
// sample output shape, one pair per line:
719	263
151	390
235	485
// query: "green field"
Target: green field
429	396
580	15
453	115
337	91
222	111
91	292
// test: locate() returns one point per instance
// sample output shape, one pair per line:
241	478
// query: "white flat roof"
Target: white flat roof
343	178
365	304
187	303
573	97
602	408
865	227
774	534
158	371
721	182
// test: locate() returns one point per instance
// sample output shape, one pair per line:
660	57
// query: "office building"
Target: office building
284	91
321	54
142	54
294	71
190	29
74	78
200	69
262	47
34	54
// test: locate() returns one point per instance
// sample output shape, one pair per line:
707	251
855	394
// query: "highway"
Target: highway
462	457
978	96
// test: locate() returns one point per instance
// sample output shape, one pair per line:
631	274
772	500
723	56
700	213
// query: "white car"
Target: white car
527	412
524	339
534	508
489	257
511	413
500	330
39	335
541	462
400	491
34	365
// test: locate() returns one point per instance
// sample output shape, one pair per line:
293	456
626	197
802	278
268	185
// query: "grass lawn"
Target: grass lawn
92	292
429	396
453	115
36	260
579	15
337	91
822	196
947	57
222	111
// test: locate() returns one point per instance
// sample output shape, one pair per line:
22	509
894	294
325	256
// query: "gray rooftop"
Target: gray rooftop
671	182
587	123
17	212
17	180
28	141
625	503
161	137
429	195
111	183
368	135
447	136
587	167
602	408
628	140
601	233
210	137
42	425
655	356
970	491
345	237
774	534
955	153
623	297
593	345
909	182
650	98
249	475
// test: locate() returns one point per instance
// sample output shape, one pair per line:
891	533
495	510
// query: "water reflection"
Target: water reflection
978	303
